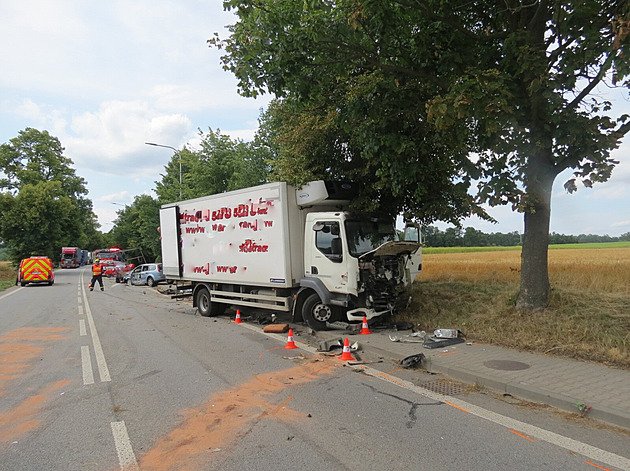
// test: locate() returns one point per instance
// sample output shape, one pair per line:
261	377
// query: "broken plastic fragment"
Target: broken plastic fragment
412	361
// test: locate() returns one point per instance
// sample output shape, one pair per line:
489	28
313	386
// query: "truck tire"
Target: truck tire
316	313
205	306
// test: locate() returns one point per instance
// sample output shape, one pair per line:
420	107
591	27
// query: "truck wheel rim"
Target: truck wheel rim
322	313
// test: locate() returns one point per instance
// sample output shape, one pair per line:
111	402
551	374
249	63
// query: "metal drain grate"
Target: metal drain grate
443	386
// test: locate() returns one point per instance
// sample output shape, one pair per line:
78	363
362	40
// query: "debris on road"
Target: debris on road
393	338
276	328
412	361
442	343
330	345
298	357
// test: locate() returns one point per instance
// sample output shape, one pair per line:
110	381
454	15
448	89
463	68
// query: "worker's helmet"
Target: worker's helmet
96	260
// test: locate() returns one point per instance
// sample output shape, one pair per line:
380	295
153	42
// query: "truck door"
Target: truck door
412	234
327	255
170	235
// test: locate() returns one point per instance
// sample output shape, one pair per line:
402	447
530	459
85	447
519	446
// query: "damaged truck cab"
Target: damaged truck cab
353	268
285	249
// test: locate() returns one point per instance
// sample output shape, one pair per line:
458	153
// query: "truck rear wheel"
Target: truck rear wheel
205	306
316	313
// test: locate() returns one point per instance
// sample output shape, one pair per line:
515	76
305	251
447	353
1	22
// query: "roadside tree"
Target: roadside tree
221	164
34	161
409	89
37	220
136	227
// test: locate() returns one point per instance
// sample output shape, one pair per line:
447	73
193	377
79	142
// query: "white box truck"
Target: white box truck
285	249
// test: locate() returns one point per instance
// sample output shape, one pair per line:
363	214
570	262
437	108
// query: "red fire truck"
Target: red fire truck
114	262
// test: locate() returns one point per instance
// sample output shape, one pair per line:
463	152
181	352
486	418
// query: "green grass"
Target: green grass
440	250
578	324
7	275
601	245
4	284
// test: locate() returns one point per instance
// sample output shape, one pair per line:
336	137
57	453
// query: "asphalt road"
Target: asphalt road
130	379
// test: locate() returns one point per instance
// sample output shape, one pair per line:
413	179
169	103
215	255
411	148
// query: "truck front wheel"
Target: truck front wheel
316	313
205	306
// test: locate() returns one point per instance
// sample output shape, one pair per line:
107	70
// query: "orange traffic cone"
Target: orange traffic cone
238	317
365	330
346	355
290	343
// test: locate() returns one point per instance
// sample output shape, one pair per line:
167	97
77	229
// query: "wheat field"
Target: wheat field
601	270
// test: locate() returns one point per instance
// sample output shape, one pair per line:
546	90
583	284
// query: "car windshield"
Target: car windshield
365	236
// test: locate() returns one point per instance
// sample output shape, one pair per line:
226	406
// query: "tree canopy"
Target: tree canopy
221	164
35	156
423	97
42	202
136	227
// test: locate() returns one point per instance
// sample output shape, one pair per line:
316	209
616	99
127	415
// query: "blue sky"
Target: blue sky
107	77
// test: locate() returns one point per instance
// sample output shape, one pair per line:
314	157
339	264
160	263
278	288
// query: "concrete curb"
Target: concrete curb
521	390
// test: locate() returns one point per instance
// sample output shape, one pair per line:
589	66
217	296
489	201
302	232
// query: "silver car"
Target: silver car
149	274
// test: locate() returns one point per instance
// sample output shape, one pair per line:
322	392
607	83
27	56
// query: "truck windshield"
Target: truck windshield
365	236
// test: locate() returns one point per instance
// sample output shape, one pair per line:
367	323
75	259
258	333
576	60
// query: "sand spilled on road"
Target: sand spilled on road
18	351
229	415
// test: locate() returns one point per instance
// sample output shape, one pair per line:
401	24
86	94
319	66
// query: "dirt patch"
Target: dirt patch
230	415
18	350
22	419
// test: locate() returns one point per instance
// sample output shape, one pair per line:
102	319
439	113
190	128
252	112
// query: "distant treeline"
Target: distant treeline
471	237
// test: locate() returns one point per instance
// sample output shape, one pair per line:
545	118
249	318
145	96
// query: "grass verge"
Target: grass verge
588	317
7	275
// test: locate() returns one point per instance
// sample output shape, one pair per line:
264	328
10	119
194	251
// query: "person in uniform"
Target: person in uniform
97	274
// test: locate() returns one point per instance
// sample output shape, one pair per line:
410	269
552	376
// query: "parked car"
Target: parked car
149	274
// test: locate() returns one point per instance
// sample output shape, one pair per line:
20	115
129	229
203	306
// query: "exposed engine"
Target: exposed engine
381	280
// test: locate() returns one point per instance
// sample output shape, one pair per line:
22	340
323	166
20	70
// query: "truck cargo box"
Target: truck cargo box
252	236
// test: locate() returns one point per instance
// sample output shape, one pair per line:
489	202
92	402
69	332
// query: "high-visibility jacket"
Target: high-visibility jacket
97	269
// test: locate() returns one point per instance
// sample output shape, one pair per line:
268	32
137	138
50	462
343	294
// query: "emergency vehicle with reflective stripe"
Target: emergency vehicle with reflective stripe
36	270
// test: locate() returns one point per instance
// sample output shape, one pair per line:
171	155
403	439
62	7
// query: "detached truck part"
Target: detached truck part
285	249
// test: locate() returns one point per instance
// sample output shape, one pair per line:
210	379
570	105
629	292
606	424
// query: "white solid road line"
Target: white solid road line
532	431
86	364
11	292
103	371
126	456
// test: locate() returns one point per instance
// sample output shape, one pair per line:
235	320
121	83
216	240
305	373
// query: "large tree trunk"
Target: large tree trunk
535	288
